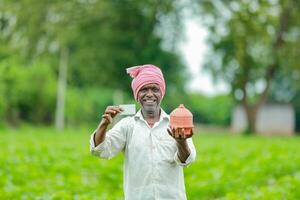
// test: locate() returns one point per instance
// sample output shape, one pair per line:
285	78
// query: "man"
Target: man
154	154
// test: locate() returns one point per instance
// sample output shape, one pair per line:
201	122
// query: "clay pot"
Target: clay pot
182	118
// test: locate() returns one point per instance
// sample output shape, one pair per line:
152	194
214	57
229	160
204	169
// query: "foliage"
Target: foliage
103	37
206	110
244	38
28	91
251	42
45	164
234	167
86	106
211	110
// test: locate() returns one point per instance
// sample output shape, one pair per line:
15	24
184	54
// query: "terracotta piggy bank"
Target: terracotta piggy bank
182	118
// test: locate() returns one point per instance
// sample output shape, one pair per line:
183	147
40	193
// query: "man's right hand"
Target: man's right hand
109	113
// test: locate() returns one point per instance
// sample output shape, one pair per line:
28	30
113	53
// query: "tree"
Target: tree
90	43
251	41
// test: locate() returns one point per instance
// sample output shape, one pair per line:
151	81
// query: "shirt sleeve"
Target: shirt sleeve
191	157
114	142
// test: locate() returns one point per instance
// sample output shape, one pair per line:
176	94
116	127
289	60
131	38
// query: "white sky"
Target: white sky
193	50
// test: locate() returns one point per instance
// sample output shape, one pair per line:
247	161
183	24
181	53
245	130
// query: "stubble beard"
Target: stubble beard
151	111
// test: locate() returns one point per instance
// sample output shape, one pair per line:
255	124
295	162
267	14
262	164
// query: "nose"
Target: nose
149	93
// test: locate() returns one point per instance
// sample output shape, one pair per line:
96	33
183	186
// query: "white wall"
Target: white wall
271	119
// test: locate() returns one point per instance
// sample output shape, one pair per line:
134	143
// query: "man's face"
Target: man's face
149	96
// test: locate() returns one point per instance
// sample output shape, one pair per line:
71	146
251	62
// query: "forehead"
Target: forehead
150	85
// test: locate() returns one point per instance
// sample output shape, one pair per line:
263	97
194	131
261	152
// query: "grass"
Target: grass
41	163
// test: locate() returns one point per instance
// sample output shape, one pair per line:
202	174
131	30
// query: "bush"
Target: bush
3	100
29	91
85	106
211	110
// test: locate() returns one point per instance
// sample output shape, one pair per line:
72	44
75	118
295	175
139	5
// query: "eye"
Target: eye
144	90
155	89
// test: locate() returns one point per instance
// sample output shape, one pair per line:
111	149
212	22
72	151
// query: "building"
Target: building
271	119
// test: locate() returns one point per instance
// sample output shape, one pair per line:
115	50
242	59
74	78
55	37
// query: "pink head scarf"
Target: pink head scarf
146	74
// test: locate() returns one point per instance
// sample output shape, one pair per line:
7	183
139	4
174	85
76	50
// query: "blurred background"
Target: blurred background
233	64
62	63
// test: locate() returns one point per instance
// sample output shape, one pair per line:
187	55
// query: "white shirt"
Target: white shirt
152	169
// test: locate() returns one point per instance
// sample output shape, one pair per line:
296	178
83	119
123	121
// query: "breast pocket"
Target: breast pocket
166	148
138	145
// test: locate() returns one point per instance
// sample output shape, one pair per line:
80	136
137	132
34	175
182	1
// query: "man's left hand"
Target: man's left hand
179	133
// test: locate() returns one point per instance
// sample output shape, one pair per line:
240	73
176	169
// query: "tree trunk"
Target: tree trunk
251	110
251	113
61	88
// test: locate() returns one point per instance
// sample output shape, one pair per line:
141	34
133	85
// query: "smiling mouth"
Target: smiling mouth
149	101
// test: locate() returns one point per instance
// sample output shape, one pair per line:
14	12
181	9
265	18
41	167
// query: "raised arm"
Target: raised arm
109	113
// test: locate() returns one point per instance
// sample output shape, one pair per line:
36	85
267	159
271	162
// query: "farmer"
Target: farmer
155	154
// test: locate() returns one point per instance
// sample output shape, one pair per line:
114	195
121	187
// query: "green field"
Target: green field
44	164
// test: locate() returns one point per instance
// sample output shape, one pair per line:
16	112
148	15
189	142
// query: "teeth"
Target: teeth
149	101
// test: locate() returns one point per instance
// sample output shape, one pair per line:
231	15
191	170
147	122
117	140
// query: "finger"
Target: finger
114	109
183	133
105	120
110	112
179	130
113	112
107	117
177	133
173	130
170	130
118	109
190	133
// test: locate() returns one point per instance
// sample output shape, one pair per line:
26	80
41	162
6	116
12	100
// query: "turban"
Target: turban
146	74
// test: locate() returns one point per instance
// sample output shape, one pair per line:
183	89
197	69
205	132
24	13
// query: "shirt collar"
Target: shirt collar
163	115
